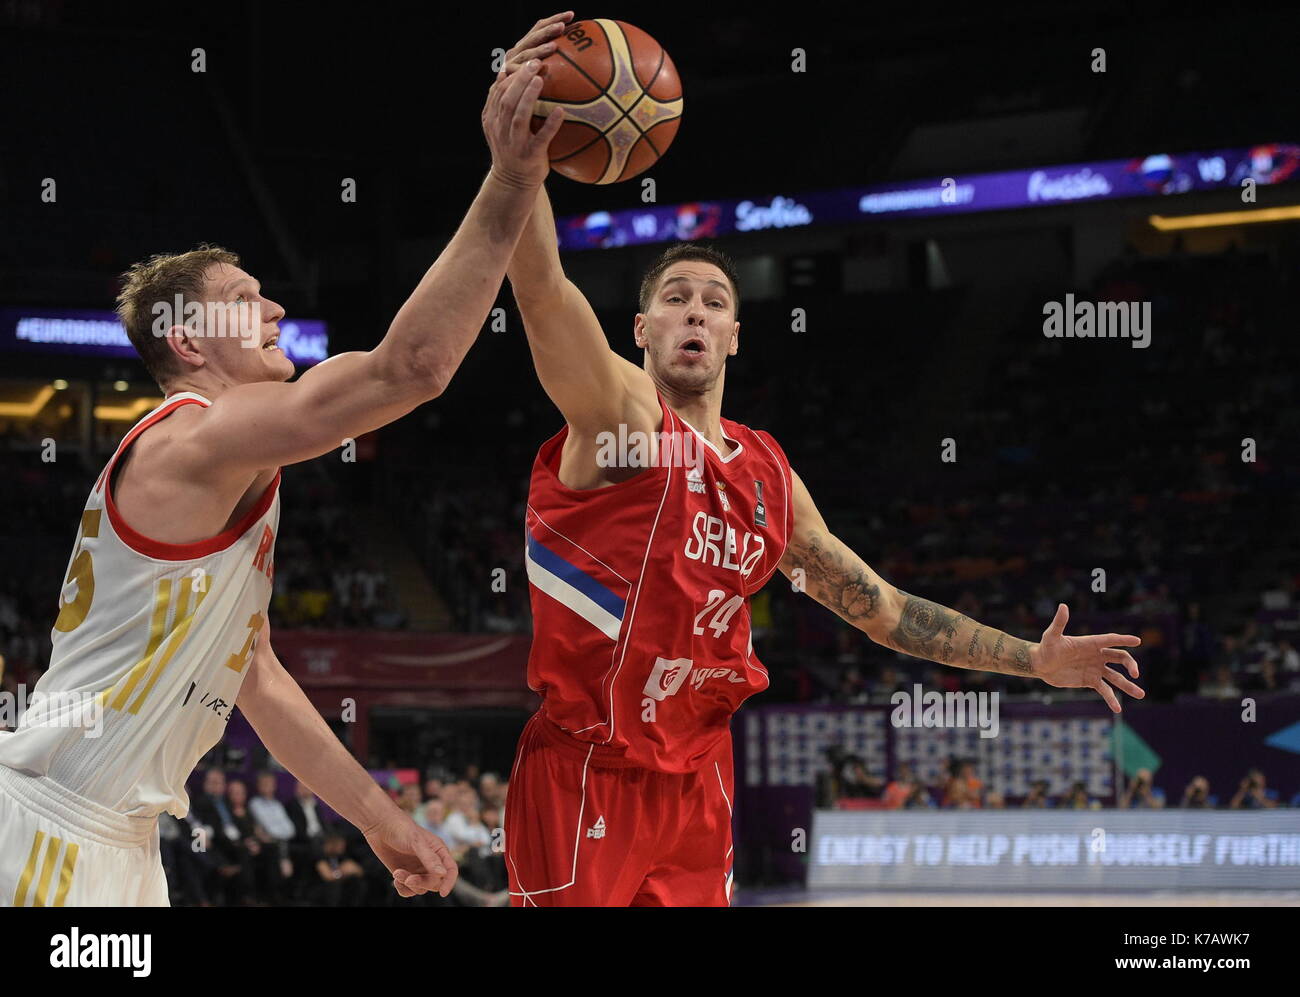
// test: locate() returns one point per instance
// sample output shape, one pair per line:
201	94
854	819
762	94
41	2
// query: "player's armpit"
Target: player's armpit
592	386
251	427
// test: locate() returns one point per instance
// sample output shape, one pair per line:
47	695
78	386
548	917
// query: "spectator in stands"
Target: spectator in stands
1280	595
432	816
1197	642
1288	657
848	777
464	827
962	790
900	790
432	787
852	688
234	883
483	880
1037	796
491	791
1223	686
273	822
886	683
1263	677
253	842
1078	799
1197	794
409	799
308	831
1140	793
1252	794
993	800
340	882
188	870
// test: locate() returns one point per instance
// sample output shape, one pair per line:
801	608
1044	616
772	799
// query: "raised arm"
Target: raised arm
592	386
835	576
265	425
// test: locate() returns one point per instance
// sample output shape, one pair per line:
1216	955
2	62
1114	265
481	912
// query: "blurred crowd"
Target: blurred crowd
1181	541
846	779
288	849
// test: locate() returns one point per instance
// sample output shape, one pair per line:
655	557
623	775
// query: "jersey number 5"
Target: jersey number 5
82	572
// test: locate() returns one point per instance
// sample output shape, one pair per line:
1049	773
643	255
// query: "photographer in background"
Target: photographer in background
1140	793
1252	793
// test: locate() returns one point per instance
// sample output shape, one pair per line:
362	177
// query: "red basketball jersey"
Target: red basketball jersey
640	592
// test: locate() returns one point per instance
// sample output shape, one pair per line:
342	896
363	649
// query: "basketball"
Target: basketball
622	101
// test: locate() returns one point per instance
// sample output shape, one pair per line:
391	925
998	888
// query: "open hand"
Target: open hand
1084	662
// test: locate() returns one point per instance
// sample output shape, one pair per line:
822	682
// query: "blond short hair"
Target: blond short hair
161	278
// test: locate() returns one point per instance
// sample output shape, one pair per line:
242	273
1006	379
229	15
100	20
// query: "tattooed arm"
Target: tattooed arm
821	565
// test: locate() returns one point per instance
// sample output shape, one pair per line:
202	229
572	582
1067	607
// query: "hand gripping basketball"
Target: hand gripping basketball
519	155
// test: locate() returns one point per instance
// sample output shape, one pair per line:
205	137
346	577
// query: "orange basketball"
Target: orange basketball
621	96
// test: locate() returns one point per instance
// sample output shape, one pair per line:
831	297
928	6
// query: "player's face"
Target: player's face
240	329
690	327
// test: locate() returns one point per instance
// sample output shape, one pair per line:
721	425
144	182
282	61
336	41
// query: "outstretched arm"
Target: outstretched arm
298	736
265	425
835	576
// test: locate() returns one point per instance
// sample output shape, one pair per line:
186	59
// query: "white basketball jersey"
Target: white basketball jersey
151	645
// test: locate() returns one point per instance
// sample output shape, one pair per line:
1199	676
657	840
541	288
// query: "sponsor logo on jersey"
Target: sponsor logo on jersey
722	494
597	830
209	701
668	676
695	480
760	510
701	675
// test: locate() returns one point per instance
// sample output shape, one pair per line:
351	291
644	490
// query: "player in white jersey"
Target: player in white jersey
162	625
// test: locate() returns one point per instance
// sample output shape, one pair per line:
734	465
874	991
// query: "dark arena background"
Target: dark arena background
910	194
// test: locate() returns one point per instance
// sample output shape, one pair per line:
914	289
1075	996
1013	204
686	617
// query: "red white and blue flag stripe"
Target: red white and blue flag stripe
575	578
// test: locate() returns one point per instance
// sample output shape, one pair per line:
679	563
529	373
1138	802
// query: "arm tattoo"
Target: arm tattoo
1022	663
838	584
920	626
928	630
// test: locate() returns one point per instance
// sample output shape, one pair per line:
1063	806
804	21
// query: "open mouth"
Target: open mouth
693	346
270	344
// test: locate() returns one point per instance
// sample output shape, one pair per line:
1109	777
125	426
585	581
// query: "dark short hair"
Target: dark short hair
161	278
683	251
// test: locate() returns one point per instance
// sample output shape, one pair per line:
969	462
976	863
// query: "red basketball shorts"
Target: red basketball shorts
587	833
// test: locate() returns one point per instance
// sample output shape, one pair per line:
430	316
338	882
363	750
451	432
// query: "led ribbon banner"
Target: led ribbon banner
1144	176
99	333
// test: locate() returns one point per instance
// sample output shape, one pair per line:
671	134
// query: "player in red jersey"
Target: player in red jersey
651	521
